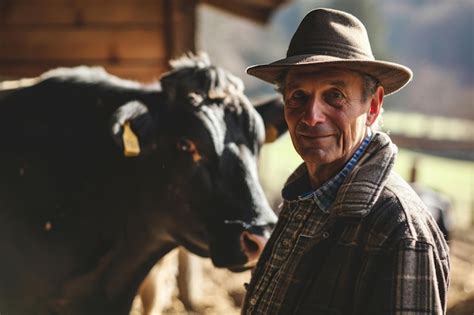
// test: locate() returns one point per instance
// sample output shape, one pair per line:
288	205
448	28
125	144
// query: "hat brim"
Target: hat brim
392	76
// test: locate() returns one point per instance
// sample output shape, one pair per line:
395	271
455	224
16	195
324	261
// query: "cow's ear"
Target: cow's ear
272	112
133	129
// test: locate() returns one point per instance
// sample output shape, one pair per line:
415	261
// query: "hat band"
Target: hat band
331	49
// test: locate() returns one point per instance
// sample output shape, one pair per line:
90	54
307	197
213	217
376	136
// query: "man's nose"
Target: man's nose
314	112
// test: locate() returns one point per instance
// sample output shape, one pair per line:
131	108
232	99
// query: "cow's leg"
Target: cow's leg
157	289
189	279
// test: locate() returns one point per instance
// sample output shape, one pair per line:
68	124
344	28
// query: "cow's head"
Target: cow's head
207	136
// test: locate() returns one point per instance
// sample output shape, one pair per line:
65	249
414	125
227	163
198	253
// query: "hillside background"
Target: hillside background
432	37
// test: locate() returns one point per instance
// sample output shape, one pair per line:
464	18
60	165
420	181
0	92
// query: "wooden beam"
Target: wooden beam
431	144
256	3
459	149
40	14
180	26
72	44
79	3
256	13
133	71
130	37
256	10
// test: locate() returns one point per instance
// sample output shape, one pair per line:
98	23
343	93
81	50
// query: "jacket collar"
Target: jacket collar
325	195
363	186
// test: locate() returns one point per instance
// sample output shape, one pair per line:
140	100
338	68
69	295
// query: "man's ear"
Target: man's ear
273	116
133	129
376	103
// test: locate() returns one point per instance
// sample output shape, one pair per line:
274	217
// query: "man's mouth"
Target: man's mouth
315	136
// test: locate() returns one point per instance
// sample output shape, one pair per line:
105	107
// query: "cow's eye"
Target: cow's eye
186	145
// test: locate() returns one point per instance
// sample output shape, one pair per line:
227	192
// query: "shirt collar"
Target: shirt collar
325	195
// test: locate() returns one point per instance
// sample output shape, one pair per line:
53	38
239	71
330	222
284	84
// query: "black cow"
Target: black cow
439	205
100	177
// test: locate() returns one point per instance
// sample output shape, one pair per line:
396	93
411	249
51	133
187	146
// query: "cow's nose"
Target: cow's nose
252	246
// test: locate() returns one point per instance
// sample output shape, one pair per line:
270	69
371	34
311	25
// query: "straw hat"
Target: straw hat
332	38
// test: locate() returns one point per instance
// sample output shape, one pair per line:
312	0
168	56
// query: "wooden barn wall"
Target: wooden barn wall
130	38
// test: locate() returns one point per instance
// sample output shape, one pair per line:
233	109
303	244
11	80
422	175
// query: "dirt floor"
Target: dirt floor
222	291
461	291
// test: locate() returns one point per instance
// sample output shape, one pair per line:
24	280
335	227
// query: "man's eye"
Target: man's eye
334	98
298	96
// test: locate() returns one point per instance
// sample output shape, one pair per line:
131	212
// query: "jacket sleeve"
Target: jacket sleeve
414	281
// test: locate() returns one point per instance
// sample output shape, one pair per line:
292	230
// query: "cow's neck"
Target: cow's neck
113	282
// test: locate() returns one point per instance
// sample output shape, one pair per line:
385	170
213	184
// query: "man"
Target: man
352	236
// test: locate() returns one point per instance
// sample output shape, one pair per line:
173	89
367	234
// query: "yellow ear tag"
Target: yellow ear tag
131	146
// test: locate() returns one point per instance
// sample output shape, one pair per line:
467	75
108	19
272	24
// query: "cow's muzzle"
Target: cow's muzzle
252	240
252	246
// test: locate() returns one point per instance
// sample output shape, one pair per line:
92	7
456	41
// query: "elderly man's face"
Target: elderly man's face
326	114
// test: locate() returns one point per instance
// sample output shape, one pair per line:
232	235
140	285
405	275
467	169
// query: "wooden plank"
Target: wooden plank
33	14
180	26
255	3
453	149
78	2
81	44
37	13
432	144
256	13
149	13
139	72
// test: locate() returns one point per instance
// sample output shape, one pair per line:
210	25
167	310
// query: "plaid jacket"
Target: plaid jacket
377	250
